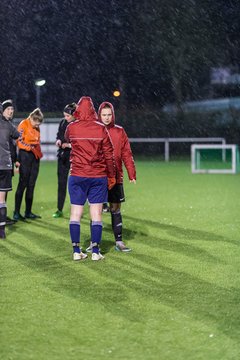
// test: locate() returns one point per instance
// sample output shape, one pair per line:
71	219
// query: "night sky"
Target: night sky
154	51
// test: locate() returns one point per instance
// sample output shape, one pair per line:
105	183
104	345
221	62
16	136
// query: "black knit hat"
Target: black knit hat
6	104
70	108
1	109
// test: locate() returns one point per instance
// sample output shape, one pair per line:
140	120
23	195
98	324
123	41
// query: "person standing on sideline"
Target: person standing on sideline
92	172
63	155
7	132
29	158
122	154
8	112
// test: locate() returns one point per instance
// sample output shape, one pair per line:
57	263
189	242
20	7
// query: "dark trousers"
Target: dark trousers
62	173
28	173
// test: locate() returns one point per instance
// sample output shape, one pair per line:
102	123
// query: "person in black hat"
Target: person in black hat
63	156
7	132
8	112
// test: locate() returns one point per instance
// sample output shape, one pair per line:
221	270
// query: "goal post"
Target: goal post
215	159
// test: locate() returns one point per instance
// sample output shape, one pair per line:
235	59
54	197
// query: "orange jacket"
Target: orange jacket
29	139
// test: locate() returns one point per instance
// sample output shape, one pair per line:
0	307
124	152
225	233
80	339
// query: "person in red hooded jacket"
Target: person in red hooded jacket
122	154
92	172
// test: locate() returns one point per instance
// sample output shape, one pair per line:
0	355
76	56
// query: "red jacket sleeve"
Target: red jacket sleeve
127	157
107	148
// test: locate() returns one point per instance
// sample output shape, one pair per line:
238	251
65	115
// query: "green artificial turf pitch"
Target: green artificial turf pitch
175	296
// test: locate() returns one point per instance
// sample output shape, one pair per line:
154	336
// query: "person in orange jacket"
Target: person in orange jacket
29	158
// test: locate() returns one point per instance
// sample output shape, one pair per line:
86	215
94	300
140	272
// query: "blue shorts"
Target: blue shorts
83	188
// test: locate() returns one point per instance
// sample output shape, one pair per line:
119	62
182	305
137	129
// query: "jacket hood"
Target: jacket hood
85	110
113	113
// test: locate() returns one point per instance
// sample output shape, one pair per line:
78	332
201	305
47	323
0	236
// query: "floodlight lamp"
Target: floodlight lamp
40	82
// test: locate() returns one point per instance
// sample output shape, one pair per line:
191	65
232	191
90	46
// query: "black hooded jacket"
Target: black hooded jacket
63	154
7	133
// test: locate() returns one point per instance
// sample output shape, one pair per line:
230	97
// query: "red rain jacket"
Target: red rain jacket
92	150
121	145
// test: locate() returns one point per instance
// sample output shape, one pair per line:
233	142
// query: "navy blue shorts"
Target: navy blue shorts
82	189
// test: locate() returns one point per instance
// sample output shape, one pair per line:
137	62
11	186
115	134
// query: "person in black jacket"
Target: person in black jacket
63	156
7	133
8	112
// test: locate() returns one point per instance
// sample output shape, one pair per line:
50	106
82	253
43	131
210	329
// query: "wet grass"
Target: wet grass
176	296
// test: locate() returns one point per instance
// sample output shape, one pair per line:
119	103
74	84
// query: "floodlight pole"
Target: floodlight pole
38	84
38	103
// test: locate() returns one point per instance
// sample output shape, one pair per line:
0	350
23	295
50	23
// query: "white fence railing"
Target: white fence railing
49	148
167	142
50	127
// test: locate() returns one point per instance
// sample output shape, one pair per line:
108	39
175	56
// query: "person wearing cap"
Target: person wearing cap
63	155
29	157
8	112
7	132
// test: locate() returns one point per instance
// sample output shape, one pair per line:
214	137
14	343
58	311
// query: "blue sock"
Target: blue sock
96	235
74	227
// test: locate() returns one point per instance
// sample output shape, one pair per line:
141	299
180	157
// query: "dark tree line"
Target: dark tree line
155	51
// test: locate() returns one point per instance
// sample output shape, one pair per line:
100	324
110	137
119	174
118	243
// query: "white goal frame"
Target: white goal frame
195	158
